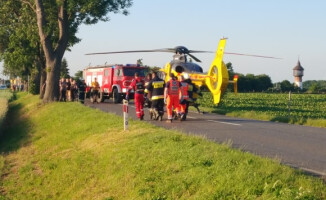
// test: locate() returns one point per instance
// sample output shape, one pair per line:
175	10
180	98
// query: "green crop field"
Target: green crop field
307	109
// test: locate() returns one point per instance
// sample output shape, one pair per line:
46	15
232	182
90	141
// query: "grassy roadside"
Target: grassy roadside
5	96
67	151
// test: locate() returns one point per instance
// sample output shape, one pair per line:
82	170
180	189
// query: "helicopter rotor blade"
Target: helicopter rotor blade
251	55
173	50
168	50
196	51
136	51
193	57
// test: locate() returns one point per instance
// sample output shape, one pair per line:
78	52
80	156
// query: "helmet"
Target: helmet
186	75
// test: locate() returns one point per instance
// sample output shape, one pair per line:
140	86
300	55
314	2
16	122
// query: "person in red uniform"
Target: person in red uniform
137	85
184	98
172	94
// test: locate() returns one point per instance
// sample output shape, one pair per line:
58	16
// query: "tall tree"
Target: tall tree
262	82
286	86
230	69
254	83
139	61
154	69
315	88
79	75
58	22
64	70
15	45
20	44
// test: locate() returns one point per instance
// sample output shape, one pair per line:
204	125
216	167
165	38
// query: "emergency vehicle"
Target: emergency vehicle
114	80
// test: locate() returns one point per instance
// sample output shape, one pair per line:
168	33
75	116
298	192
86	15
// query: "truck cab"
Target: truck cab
114	80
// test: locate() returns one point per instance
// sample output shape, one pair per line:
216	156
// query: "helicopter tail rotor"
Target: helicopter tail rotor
218	76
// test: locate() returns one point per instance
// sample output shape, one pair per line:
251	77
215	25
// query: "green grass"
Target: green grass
305	109
68	151
5	96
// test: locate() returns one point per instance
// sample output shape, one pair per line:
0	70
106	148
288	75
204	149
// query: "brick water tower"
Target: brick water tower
298	73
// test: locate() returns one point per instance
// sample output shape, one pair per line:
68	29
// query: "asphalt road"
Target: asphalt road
298	146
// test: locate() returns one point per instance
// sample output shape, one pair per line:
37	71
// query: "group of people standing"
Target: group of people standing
175	94
69	90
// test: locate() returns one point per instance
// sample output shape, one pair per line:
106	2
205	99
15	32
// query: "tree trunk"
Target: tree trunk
42	82
53	56
35	81
41	66
52	81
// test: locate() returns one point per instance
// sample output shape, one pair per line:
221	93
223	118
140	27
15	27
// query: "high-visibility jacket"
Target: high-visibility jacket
173	87
192	90
156	86
146	85
185	89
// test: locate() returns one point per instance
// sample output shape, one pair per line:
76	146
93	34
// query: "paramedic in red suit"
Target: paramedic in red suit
184	98
138	86
172	95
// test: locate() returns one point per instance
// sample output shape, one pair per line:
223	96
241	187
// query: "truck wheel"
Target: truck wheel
116	96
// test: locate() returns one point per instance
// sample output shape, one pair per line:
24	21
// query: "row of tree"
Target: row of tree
314	86
263	83
250	82
34	35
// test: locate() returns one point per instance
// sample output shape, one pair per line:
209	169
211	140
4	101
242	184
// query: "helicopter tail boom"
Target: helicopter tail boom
235	84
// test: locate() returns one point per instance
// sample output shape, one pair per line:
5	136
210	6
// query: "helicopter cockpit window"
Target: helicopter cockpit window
197	69
179	69
194	68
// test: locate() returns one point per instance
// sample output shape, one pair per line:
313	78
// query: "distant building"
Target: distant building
298	73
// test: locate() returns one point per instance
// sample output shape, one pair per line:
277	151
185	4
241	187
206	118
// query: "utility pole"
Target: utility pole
289	104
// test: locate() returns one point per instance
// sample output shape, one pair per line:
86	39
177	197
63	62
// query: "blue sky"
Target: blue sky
287	29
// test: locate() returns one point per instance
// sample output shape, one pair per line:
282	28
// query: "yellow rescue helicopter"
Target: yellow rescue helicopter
217	78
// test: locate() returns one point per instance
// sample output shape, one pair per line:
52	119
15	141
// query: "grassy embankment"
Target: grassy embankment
304	109
68	151
5	96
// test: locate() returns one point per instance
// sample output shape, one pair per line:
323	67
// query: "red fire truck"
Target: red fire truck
114	80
